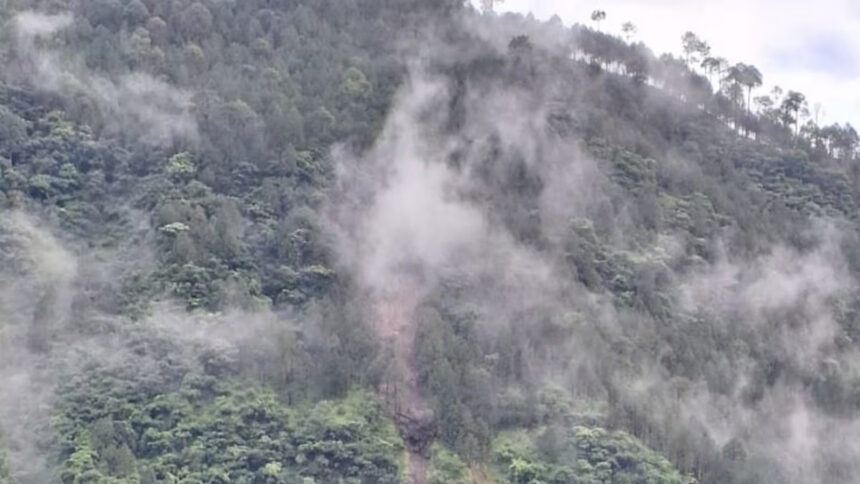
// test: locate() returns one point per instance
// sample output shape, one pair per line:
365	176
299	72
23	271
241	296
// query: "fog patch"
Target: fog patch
52	330
132	106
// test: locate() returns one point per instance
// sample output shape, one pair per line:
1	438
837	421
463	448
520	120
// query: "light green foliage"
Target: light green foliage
81	464
181	167
577	454
214	429
446	467
40	186
355	85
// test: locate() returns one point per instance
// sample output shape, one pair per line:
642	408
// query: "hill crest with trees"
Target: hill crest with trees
593	263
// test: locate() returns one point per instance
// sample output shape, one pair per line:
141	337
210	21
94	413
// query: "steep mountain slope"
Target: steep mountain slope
397	241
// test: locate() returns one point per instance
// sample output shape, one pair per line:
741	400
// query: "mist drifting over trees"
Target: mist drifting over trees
385	241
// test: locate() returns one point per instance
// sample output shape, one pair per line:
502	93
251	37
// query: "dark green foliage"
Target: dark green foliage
448	366
13	132
271	106
4	468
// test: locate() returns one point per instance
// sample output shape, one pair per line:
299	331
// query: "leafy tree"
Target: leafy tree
135	13
629	30
735	79
180	167
520	43
487	5
791	109
764	104
714	65
750	77
13	132
598	16
694	48
105	13
209	429
579	454
196	22
446	467
158	32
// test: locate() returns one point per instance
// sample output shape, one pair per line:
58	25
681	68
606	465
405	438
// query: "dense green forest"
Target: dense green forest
385	241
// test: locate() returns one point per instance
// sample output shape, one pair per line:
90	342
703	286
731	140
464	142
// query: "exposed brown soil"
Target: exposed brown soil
395	324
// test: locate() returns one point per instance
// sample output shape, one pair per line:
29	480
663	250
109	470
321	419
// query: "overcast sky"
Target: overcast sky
812	46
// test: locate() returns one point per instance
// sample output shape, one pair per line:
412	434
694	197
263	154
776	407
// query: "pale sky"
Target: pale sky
809	46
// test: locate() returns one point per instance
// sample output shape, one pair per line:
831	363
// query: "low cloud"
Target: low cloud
134	105
52	329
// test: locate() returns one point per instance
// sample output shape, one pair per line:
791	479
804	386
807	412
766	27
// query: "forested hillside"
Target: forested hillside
385	241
